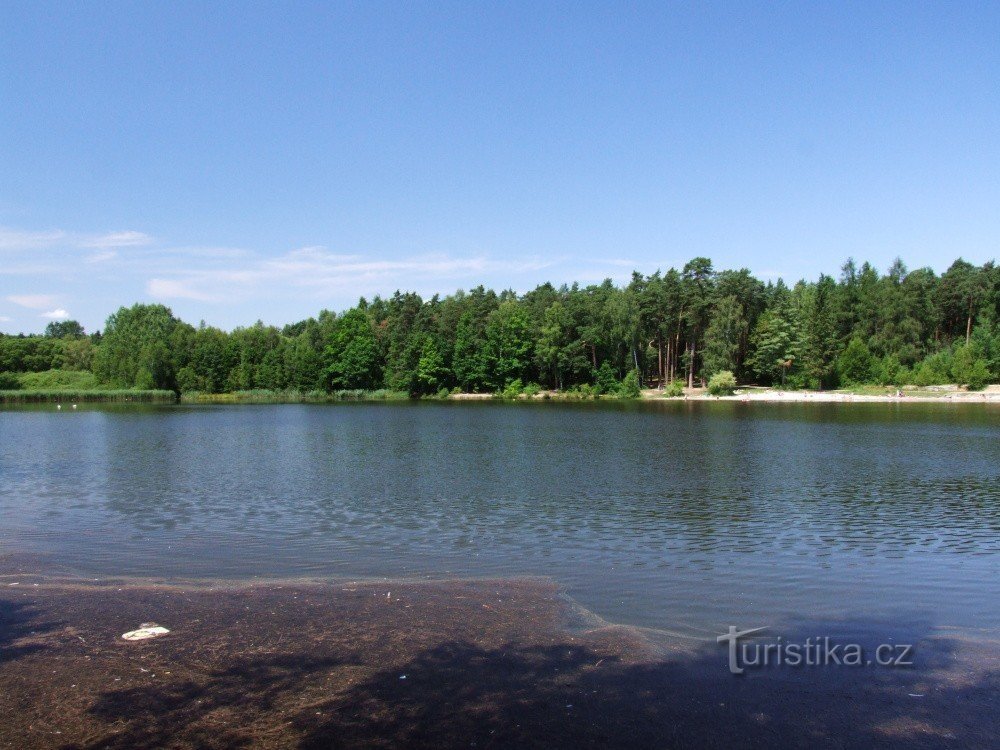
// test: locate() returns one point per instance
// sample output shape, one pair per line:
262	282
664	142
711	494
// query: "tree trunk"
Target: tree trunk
690	377
968	329
659	351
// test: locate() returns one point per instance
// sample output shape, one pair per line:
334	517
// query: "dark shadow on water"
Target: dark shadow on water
200	714
459	695
567	695
20	622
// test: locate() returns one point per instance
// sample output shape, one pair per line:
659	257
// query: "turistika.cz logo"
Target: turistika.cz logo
820	651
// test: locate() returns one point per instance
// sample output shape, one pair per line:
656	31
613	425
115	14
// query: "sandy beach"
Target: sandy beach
932	394
939	394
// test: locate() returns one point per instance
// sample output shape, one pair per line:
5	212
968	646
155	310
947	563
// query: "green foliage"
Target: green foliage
674	389
725	338
508	343
604	379
264	396
470	364
431	371
889	371
98	395
935	369
856	365
865	328
59	380
134	350
60	329
77	354
978	376
776	341
9	381
968	368
188	380
351	355
513	389
30	353
629	387
722	384
531	390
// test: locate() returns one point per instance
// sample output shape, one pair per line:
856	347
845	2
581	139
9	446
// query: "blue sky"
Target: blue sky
244	161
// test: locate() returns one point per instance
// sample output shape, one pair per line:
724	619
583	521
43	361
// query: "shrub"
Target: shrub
512	389
968	368
935	369
9	381
629	387
856	365
674	389
532	389
722	384
188	380
604	379
58	380
890	371
978	375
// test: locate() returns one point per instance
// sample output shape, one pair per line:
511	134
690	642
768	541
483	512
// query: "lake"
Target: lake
679	516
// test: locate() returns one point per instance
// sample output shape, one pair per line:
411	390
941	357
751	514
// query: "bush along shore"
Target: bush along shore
263	396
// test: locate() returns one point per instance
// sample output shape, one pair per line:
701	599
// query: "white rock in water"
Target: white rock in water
145	631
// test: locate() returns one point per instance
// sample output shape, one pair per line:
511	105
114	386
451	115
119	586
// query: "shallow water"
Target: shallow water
685	517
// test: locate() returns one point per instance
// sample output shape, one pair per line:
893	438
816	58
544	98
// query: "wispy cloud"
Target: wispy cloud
127	238
19	239
131	261
179	289
319	272
5	319
32	301
618	262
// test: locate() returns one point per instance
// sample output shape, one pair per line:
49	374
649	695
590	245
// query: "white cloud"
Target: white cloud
620	262
18	239
321	272
5	319
128	238
24	240
57	314
179	289
102	256
32	301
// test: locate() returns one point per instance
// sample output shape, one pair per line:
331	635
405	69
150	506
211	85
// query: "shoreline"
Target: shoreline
950	394
439	664
746	394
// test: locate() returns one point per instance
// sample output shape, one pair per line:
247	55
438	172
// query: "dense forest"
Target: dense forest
901	327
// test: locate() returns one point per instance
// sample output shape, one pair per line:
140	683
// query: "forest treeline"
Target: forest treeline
900	327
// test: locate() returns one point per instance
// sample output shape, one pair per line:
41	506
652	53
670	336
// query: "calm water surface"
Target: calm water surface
681	516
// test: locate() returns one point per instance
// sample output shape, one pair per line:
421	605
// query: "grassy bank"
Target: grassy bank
291	397
94	395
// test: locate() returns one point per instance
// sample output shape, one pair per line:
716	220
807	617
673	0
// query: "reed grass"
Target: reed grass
262	396
96	395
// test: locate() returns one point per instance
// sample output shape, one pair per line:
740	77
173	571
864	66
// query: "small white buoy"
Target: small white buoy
145	631
74	406
58	406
